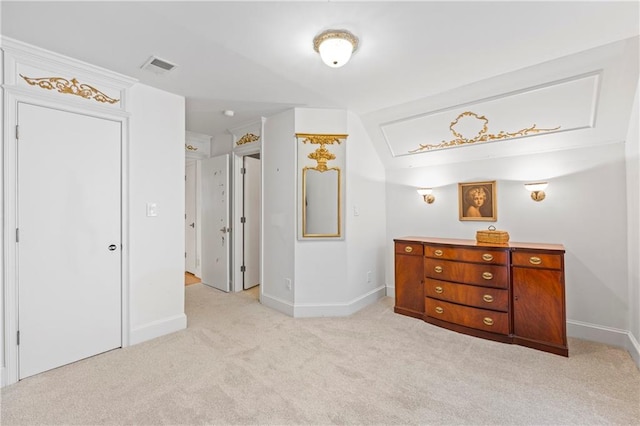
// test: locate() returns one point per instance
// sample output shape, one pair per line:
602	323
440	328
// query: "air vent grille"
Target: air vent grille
158	66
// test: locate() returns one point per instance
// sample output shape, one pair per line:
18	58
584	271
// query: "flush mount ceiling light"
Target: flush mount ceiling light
335	46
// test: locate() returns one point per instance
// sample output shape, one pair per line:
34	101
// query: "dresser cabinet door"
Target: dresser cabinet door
539	306
409	283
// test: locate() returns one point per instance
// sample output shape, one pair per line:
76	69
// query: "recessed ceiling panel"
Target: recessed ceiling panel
554	107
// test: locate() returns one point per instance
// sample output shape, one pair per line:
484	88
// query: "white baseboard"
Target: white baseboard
301	310
158	328
338	309
607	335
277	304
391	291
2	377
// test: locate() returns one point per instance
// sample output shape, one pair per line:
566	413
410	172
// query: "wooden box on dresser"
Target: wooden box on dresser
512	293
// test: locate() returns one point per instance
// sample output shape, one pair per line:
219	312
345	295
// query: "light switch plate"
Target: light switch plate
152	209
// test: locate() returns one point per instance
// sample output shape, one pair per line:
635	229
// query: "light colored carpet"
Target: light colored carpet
239	362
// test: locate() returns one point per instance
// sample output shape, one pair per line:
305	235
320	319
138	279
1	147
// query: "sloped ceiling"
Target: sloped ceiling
256	58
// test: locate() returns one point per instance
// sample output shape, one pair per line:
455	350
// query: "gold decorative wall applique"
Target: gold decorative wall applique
322	154
190	147
71	87
248	138
482	135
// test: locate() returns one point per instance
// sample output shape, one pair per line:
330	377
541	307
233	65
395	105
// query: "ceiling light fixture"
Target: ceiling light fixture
335	47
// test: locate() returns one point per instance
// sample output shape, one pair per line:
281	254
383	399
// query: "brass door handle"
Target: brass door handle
487	275
488	321
408	249
438	252
487	298
487	257
438	269
535	260
439	290
439	310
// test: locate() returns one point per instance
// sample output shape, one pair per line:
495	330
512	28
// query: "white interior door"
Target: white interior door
251	227
216	240
69	253
190	224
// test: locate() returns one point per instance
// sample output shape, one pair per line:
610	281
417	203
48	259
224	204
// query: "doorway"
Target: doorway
251	218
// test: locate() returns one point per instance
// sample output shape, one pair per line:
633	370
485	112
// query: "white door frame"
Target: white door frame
12	96
238	200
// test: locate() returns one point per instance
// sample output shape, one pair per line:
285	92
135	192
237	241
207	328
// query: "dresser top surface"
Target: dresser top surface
474	243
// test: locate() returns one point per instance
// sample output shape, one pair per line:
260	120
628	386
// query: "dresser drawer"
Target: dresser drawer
480	319
533	259
495	257
467	273
414	249
481	297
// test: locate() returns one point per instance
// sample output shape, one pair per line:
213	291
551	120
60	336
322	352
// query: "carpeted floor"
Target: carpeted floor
239	362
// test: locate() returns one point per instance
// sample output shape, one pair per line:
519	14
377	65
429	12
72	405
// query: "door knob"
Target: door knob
112	247
193	225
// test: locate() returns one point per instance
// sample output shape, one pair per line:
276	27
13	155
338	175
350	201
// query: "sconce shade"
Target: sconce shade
426	194
537	190
335	47
538	186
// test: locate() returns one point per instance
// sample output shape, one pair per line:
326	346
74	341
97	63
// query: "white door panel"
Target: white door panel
216	239
190	224
251	228
69	281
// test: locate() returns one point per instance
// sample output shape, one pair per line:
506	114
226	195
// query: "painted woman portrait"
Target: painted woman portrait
477	201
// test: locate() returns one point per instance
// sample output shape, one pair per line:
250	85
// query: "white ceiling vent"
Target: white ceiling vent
158	66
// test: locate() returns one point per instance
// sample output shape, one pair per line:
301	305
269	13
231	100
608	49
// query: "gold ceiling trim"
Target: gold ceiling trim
190	147
482	135
71	87
248	138
321	155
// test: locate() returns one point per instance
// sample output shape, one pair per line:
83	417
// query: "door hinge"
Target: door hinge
243	171
243	219
243	268
17	235
18	337
185	254
17	132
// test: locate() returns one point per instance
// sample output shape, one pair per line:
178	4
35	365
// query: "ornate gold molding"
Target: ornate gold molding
71	87
248	138
482	135
190	147
321	155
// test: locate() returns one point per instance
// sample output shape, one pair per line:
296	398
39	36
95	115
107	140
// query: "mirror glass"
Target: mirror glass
321	203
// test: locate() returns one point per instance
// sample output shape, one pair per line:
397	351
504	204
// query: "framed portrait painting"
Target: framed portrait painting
477	201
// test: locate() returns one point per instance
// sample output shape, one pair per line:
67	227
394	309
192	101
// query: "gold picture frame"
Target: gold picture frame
477	201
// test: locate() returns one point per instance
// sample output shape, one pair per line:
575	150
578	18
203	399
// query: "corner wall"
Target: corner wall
156	244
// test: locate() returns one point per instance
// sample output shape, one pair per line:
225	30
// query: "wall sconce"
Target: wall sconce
335	47
537	190
426	194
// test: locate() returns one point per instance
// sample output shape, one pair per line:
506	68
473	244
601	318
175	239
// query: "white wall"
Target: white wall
633	224
279	210
156	244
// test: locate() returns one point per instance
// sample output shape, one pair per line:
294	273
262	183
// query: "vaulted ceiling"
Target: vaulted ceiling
257	58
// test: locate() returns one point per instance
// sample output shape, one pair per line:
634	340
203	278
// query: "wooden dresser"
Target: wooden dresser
512	293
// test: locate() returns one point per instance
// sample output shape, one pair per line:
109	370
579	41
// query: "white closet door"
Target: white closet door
190	225
69	253
214	221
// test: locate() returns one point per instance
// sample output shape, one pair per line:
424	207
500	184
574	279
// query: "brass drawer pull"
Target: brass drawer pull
439	290
438	252
439	310
535	260
487	298
438	269
487	257
487	275
488	321
408	249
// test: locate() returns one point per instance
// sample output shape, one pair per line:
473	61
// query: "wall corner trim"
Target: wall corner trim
607	335
339	309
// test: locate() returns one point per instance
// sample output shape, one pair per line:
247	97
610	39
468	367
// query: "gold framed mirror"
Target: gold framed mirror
321	186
